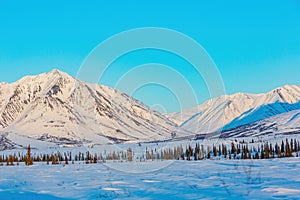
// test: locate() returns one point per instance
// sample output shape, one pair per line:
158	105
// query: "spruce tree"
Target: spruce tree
95	158
28	160
233	150
54	161
66	160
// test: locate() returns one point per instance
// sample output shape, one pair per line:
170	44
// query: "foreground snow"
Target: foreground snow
225	179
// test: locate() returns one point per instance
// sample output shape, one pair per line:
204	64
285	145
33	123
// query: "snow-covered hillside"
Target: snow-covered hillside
277	125
56	107
231	111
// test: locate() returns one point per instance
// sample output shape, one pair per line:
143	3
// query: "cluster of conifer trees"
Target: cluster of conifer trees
237	150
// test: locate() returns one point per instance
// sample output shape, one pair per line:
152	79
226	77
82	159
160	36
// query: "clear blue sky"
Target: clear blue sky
255	44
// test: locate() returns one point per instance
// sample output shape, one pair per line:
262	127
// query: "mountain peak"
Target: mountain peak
291	87
288	93
287	87
56	72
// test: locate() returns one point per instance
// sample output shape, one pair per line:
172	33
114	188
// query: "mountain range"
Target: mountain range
232	111
56	108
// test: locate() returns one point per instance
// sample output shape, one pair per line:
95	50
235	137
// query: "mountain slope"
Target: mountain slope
230	111
285	123
261	113
58	108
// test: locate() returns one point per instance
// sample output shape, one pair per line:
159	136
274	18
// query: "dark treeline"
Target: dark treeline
237	150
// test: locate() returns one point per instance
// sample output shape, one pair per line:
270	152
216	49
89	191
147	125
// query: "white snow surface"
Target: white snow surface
205	179
209	179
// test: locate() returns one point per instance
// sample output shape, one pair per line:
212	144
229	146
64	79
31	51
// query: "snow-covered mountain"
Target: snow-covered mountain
56	107
285	123
230	111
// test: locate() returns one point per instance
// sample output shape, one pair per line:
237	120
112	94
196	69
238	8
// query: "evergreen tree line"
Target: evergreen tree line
237	150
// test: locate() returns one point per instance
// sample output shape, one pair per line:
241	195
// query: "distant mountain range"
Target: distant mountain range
55	107
230	112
